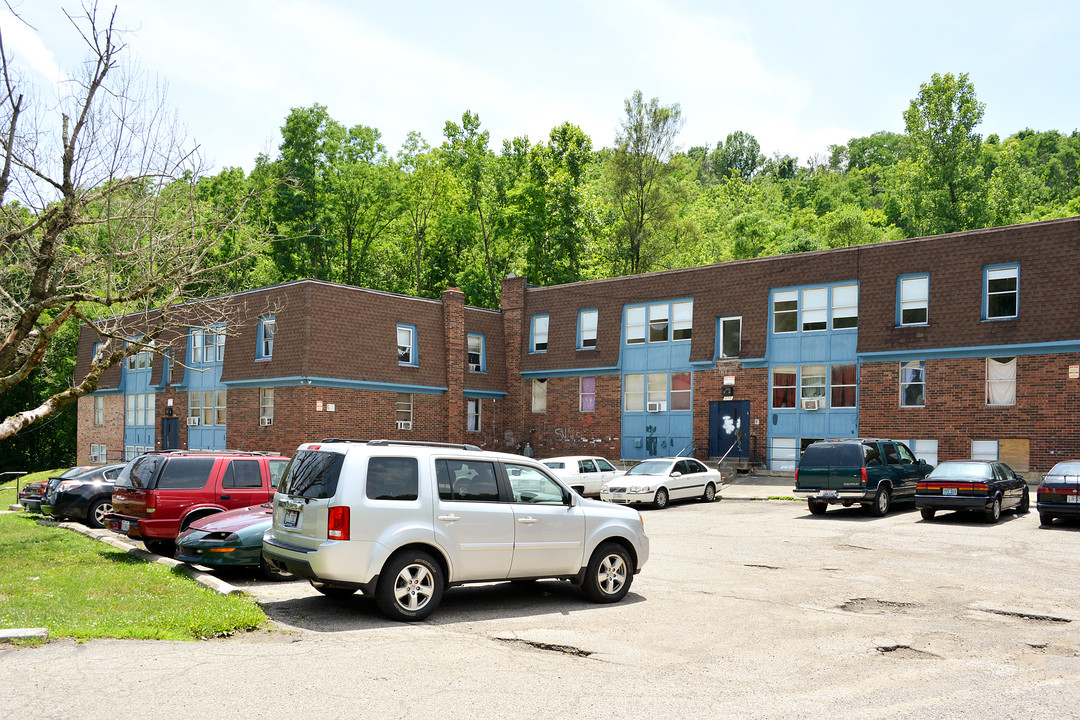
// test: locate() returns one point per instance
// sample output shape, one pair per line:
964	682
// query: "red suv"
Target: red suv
158	495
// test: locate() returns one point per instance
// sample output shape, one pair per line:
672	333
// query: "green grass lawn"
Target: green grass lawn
80	588
7	484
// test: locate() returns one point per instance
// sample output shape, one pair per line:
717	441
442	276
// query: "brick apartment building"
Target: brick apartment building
963	344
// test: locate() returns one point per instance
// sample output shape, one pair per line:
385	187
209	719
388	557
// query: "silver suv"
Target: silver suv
403	521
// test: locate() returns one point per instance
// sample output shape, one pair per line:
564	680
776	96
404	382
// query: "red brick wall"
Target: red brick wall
956	412
565	430
110	434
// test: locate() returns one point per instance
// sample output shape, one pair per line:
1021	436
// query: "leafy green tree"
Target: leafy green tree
943	187
739	156
423	197
639	170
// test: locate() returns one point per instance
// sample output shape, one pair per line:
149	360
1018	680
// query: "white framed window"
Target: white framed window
219	407
99	410
473	408
1001	381
845	306
925	450
139	409
267	330
1001	298
681	391
539	395
730	336
539	333
587	320
656	390
784	385
913	383
475	353
813	382
266	403
682	320
129	452
659	319
404	411
587	394
634	393
785	311
406	345
914	300
984	450
208	406
845	386
783	453
197	345
815	309
635	325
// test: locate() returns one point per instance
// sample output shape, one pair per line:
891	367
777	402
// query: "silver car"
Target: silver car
404	521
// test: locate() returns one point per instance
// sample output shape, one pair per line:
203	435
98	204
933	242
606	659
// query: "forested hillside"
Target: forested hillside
455	211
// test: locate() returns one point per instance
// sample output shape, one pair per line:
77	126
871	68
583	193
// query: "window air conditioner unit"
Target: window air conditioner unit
404	424
811	403
264	421
656	406
192	420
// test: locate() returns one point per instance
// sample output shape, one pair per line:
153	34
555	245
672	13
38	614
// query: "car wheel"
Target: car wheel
710	493
881	503
610	572
1046	519
410	587
817	507
164	548
928	513
269	572
95	514
333	591
1025	503
993	513
660	499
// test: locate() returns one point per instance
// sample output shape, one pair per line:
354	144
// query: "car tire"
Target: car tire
332	591
410	587
1046	519
164	548
817	507
993	513
1025	503
609	574
710	493
928	513
661	499
95	514
881	504
269	572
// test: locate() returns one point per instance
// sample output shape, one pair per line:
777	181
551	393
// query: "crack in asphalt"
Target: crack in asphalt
549	647
1026	616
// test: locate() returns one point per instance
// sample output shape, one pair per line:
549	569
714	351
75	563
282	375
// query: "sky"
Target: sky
799	75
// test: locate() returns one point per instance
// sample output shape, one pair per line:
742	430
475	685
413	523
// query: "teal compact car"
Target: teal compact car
230	539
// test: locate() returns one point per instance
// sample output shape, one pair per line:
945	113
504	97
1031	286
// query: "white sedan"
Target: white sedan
661	480
584	473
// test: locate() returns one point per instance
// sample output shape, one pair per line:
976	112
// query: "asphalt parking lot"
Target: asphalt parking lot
751	609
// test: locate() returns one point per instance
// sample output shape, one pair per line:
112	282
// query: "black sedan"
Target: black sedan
86	497
979	485
1059	493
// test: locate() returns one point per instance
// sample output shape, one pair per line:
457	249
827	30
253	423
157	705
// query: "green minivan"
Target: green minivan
871	472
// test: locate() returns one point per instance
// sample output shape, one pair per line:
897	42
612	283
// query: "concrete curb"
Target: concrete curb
121	543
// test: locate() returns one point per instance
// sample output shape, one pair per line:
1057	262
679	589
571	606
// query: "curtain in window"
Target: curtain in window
1001	381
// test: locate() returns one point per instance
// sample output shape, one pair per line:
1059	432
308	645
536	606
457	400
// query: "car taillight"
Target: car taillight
862	476
921	485
337	523
796	476
151	502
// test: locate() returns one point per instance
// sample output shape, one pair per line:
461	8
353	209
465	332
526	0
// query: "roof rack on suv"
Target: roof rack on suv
420	443
198	451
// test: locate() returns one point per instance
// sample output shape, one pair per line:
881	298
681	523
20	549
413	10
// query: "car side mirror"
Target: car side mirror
573	499
676	474
922	462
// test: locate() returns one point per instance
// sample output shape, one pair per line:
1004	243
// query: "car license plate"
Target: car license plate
292	518
829	494
948	491
617	496
1072	499
125	525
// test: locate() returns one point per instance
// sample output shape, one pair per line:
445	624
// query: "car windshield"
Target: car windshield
651	467
1065	473
961	470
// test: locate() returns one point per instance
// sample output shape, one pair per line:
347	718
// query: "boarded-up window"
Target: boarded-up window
1015	454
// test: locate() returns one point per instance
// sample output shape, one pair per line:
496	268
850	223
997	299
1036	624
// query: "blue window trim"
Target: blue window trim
900	298
414	360
799	312
259	338
986	290
532	331
580	328
483	351
671	322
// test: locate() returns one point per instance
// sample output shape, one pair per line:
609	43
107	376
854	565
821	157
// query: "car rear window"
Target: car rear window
960	471
556	465
312	474
185	473
139	472
393	478
1064	473
831	455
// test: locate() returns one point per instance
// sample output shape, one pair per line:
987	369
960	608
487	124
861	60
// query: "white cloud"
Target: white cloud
23	42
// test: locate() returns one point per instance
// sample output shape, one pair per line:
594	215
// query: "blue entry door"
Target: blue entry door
729	428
